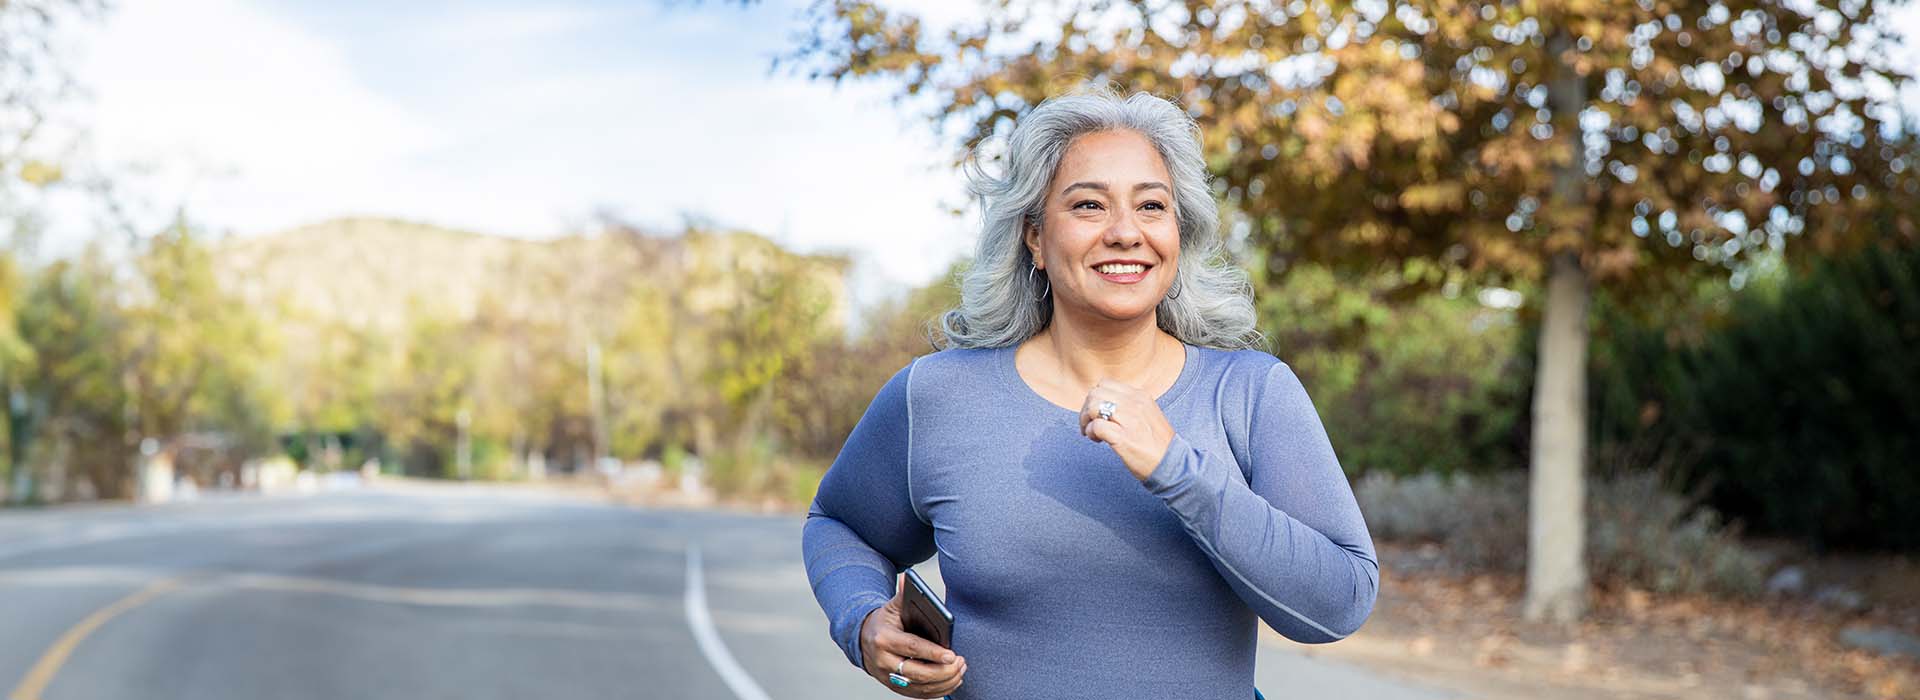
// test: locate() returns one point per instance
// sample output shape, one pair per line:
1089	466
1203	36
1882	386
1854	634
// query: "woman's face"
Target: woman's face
1109	240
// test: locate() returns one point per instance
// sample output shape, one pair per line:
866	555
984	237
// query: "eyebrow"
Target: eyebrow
1101	186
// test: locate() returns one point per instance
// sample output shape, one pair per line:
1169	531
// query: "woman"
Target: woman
1115	485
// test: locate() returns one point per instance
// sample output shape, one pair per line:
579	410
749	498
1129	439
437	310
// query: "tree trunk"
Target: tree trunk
1556	515
1556	537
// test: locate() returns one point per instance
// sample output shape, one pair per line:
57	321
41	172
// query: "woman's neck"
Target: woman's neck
1129	351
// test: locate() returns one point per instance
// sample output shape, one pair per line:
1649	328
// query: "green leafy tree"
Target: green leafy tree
32	83
1560	143
829	386
1434	383
422	409
775	305
770	308
16	359
152	351
639	371
74	388
189	345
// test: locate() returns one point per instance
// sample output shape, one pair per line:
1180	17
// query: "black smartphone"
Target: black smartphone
923	613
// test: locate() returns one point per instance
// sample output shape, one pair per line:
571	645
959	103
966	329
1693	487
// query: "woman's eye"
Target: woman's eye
1155	205
1084	203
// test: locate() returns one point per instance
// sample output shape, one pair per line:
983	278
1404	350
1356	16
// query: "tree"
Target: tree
187	340
16	358
73	387
1518	142
156	352
828	387
423	408
32	83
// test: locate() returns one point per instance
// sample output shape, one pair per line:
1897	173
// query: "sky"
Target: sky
521	119
515	118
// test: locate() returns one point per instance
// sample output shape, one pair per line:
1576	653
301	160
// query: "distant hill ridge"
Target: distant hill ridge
378	274
365	272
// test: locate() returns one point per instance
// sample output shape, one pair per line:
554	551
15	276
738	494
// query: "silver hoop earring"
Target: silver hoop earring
1043	295
1174	291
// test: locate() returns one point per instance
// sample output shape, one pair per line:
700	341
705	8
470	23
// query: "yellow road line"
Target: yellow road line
49	664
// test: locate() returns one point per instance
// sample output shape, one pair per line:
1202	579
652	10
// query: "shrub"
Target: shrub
1638	532
1799	392
1481	520
1436	382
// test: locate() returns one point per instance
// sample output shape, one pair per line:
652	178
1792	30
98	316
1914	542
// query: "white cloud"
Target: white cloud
256	123
214	78
238	117
494	25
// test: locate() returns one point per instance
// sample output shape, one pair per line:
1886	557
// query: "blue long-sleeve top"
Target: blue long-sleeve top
1069	578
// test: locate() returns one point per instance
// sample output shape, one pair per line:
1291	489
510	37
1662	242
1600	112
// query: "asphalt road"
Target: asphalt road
429	593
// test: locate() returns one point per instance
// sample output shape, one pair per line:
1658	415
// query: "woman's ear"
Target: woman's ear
1032	238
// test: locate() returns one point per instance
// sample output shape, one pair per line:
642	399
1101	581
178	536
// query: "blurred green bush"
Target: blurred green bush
1436	382
1794	398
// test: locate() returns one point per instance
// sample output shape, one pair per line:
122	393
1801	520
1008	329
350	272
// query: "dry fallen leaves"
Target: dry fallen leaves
1633	643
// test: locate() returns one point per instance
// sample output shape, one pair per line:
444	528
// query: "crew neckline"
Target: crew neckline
1018	385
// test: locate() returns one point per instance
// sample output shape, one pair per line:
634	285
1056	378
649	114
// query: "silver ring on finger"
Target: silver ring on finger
895	677
1106	410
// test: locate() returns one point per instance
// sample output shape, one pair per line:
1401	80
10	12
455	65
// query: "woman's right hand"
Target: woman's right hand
934	670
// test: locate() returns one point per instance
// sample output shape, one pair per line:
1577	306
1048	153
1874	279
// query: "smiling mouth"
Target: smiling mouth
1123	273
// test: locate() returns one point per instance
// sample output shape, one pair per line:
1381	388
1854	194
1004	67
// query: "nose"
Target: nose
1124	233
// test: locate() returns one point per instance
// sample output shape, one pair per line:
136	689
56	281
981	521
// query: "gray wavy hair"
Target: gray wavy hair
1002	304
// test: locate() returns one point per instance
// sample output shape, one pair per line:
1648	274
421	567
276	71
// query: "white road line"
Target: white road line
709	638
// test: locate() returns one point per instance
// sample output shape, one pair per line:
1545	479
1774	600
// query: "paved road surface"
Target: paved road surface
426	593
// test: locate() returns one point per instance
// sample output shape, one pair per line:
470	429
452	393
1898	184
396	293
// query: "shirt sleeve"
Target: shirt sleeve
862	528
1289	538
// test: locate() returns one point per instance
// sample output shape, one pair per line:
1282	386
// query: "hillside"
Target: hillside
379	274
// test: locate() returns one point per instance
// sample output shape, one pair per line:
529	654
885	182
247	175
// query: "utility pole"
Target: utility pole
596	390
463	445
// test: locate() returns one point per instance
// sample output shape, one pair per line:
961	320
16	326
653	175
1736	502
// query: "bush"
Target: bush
743	468
1799	393
1638	532
754	468
1481	520
1430	383
1641	533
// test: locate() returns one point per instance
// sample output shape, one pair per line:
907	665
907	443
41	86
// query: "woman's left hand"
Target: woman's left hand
1138	431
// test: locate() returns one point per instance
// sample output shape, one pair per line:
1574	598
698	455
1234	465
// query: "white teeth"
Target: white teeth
1120	269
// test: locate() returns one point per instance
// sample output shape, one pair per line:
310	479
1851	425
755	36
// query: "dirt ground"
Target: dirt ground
1464	633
